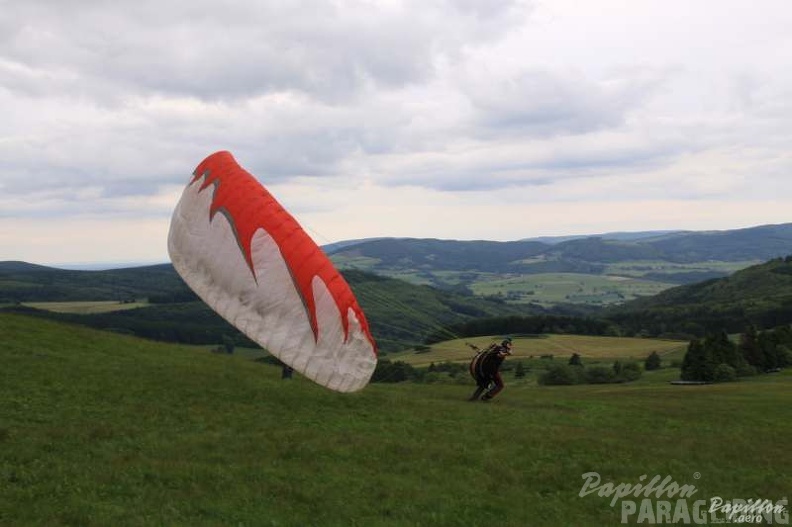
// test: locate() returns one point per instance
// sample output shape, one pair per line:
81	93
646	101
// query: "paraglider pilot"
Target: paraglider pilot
485	369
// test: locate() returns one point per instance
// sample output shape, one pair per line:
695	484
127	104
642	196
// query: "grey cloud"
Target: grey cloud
516	164
237	49
97	65
315	155
541	103
113	101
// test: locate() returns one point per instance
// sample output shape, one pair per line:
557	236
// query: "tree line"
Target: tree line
717	358
526	325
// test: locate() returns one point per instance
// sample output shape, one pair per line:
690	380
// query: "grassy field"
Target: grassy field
554	288
618	283
543	288
561	346
99	429
86	308
642	267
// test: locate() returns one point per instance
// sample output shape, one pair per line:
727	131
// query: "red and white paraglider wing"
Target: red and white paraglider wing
250	261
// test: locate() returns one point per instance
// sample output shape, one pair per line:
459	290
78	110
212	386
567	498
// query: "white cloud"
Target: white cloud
428	118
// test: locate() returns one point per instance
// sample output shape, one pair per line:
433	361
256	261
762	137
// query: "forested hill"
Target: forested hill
752	244
592	270
759	295
26	282
400	314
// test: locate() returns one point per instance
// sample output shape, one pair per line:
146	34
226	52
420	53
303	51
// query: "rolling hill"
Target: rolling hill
642	264
760	295
755	243
509	278
26	282
401	314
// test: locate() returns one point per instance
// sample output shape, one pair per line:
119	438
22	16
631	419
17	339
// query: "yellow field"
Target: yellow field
557	345
85	308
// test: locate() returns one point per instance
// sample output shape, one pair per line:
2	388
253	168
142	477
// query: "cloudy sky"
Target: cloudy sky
456	119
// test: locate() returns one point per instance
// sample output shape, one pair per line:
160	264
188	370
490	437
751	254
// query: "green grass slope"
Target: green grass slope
98	429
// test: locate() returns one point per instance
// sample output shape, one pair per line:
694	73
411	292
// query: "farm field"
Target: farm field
86	307
614	283
642	267
554	288
101	429
561	346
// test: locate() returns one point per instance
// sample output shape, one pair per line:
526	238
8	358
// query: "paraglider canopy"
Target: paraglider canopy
252	262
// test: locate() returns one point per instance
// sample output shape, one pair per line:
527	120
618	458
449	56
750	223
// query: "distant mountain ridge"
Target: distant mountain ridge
587	270
758	243
619	236
13	266
754	243
756	294
25	282
591	271
665	257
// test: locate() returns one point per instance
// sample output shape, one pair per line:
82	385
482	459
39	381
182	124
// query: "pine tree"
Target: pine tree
698	364
750	349
767	345
723	350
653	362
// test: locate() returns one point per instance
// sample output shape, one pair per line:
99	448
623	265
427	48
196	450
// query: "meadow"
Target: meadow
641	268
100	429
589	347
614	281
86	307
575	288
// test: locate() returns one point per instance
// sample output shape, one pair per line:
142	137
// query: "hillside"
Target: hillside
469	280
623	236
25	282
401	314
637	265
586	271
759	295
756	243
100	429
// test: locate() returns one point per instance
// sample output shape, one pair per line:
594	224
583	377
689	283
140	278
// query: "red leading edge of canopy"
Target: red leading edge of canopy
249	207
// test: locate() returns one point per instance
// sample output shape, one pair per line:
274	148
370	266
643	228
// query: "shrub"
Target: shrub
559	374
746	370
431	377
387	371
599	375
627	371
